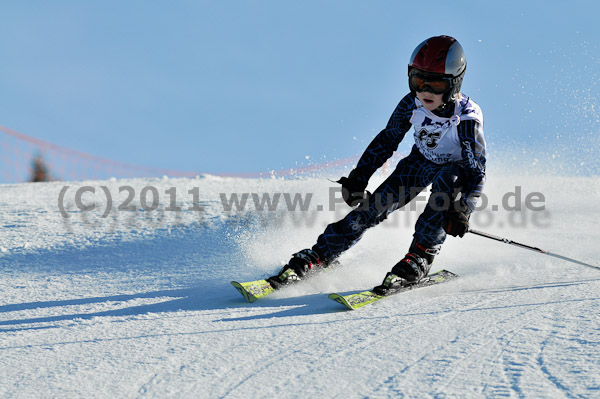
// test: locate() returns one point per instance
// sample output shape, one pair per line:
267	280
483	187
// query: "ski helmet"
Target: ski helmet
441	59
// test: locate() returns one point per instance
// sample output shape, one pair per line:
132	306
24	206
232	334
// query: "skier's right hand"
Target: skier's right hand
353	191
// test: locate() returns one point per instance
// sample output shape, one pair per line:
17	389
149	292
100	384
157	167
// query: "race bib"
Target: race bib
436	137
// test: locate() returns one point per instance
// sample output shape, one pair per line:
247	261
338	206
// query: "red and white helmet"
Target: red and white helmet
440	57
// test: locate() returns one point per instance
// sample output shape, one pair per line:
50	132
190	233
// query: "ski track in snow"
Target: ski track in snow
138	305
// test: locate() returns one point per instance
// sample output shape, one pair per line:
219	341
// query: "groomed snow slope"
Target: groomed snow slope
138	303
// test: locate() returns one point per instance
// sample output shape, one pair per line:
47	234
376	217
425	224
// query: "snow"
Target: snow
137	304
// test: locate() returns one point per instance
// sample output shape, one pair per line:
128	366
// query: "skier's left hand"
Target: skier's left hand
457	222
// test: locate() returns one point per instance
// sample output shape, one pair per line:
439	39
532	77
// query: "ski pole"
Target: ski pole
539	250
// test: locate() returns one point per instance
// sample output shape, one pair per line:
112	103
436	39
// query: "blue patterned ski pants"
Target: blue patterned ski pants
412	175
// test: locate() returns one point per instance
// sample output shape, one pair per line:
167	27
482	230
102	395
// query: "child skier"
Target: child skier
449	154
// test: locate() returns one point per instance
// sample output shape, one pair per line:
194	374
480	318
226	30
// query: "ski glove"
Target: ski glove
353	191
457	222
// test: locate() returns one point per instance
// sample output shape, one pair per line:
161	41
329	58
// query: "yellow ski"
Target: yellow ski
358	300
253	290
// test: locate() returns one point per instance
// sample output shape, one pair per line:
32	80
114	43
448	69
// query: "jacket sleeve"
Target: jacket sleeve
472	141
386	142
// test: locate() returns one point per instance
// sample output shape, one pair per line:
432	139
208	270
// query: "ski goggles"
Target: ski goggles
434	84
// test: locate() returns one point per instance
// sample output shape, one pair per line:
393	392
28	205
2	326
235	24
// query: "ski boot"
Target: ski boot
302	263
408	271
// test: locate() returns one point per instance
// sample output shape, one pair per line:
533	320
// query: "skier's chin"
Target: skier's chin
430	105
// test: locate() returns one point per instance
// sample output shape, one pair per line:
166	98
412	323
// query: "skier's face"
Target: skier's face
429	100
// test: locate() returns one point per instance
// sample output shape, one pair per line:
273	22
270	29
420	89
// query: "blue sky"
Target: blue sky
247	86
